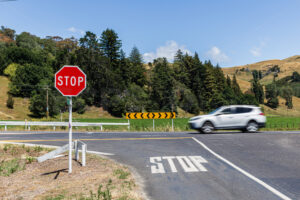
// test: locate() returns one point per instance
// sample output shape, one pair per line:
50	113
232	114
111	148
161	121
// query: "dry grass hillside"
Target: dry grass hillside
287	67
282	109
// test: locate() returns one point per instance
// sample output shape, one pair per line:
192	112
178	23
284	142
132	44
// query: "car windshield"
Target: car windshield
213	112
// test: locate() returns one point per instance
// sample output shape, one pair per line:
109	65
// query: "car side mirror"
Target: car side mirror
219	114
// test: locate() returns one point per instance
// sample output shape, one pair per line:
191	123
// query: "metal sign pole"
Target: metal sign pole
153	125
172	125
70	135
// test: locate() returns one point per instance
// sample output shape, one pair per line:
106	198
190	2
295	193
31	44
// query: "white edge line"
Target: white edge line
273	190
50	146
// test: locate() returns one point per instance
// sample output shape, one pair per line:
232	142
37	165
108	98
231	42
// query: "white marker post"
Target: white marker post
70	135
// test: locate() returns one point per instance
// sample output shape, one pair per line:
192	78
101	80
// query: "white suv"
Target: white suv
241	117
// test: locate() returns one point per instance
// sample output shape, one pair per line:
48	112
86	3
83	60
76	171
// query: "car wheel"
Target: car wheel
207	127
252	127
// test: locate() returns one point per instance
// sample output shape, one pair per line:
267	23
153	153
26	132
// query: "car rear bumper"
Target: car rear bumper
262	125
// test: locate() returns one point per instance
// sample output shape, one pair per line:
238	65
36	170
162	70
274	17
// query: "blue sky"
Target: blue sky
228	32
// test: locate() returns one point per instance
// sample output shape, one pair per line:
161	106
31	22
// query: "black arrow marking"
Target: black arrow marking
159	115
148	115
135	115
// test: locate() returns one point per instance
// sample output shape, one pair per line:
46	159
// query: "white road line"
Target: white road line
273	190
52	146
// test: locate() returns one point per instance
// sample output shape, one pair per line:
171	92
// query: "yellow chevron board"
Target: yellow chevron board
151	115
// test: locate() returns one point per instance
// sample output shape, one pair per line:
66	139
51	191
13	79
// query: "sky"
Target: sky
227	32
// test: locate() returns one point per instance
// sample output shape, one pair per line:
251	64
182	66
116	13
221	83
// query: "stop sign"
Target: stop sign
70	80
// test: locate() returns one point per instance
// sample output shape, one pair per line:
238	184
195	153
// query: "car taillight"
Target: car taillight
261	114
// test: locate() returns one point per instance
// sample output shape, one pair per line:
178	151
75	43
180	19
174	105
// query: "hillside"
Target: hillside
287	67
21	111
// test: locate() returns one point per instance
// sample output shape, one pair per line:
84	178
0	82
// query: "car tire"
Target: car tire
252	127
207	128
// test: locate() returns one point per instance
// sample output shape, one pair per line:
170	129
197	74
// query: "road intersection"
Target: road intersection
188	165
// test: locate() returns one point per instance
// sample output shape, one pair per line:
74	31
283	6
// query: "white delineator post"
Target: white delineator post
70	134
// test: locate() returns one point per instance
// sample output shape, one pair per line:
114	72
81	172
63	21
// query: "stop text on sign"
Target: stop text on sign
70	80
67	80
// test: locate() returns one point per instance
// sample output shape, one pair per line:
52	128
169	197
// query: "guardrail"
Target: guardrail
27	124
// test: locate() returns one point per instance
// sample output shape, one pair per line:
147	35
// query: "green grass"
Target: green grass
9	167
121	174
282	123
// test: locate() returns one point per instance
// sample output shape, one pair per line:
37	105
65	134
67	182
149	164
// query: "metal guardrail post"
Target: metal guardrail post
76	150
101	127
128	125
83	152
153	125
5	128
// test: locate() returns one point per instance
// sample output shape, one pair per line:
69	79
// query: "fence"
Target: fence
27	124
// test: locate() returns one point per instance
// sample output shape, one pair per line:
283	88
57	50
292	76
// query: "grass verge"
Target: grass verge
22	177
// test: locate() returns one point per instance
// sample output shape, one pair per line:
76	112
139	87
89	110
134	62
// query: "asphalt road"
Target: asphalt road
224	165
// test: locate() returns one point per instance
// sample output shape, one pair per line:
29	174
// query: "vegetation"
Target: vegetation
115	82
10	102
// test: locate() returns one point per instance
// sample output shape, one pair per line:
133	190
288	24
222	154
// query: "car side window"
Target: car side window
226	111
240	110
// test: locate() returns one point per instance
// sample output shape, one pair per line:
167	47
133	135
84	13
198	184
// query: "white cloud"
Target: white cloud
75	30
216	55
168	51
256	51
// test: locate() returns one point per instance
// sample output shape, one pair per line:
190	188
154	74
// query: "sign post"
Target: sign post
70	135
70	81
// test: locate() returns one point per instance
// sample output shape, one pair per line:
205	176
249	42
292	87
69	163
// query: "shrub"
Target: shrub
10	102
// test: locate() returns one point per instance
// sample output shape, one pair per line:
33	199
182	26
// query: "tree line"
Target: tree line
285	87
116	82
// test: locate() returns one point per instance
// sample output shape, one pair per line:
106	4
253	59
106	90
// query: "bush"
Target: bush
188	102
10	102
79	105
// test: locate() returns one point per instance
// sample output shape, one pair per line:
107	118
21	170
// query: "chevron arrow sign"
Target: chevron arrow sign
151	115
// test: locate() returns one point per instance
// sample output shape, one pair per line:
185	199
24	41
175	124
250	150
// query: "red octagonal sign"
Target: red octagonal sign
70	80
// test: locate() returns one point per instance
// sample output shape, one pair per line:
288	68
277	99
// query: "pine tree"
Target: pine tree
272	95
137	70
210	86
235	86
162	87
110	45
257	88
287	94
197	76
10	102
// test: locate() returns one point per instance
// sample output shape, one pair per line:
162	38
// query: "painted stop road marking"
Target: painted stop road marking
187	163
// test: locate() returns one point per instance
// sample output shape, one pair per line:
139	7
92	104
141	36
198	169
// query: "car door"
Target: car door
225	118
242	116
